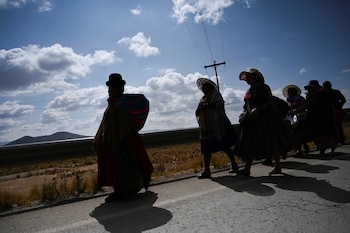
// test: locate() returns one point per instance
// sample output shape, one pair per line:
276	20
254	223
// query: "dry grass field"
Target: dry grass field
45	183
48	183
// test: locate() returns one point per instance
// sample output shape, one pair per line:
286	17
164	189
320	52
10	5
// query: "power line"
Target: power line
194	42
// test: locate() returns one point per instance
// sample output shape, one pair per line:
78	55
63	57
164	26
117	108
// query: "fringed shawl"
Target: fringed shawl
212	121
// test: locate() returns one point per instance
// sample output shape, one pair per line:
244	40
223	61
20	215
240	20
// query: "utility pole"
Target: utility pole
216	73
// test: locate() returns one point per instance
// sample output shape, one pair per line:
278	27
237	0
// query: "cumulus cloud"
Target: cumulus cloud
173	99
202	10
13	109
73	100
51	116
140	45
32	65
136	11
43	5
6	125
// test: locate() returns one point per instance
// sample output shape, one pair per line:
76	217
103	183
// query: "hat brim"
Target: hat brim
254	72
243	75
285	90
310	86
115	84
202	81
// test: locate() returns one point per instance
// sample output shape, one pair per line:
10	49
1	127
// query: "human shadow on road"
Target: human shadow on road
315	168
257	186
336	155
134	215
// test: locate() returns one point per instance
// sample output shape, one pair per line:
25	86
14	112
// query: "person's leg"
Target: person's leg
341	133
306	148
246	170
206	173
230	154
298	151
277	168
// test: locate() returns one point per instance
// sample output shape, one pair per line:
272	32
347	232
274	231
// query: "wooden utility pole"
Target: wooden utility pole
216	73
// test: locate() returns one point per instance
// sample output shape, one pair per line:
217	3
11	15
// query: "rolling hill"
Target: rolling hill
53	137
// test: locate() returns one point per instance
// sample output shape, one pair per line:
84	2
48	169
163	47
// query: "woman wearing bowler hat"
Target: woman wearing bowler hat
264	133
121	157
321	117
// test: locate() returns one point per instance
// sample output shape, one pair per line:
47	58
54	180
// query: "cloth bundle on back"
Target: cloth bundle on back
135	104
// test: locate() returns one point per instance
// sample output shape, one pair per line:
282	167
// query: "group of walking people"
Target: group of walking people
269	126
123	162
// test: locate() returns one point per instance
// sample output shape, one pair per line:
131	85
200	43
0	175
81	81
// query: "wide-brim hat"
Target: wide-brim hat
253	71
285	90
115	80
312	84
202	81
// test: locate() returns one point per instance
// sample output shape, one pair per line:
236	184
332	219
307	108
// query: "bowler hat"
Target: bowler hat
253	71
115	80
312	84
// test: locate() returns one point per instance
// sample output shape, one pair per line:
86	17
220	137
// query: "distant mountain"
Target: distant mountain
53	137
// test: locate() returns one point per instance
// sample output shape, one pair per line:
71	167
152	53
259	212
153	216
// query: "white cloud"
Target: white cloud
136	11
13	109
346	71
55	116
140	45
173	100
32	66
73	100
203	10
302	71
7	125
43	5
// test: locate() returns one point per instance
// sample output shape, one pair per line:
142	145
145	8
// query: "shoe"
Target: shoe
268	162
275	171
306	150
233	169
244	172
322	151
205	175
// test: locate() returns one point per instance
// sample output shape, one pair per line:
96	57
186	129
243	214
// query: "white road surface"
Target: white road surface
313	196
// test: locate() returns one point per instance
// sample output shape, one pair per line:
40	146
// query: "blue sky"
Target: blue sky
55	56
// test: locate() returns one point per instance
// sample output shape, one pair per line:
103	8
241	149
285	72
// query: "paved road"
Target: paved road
313	195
